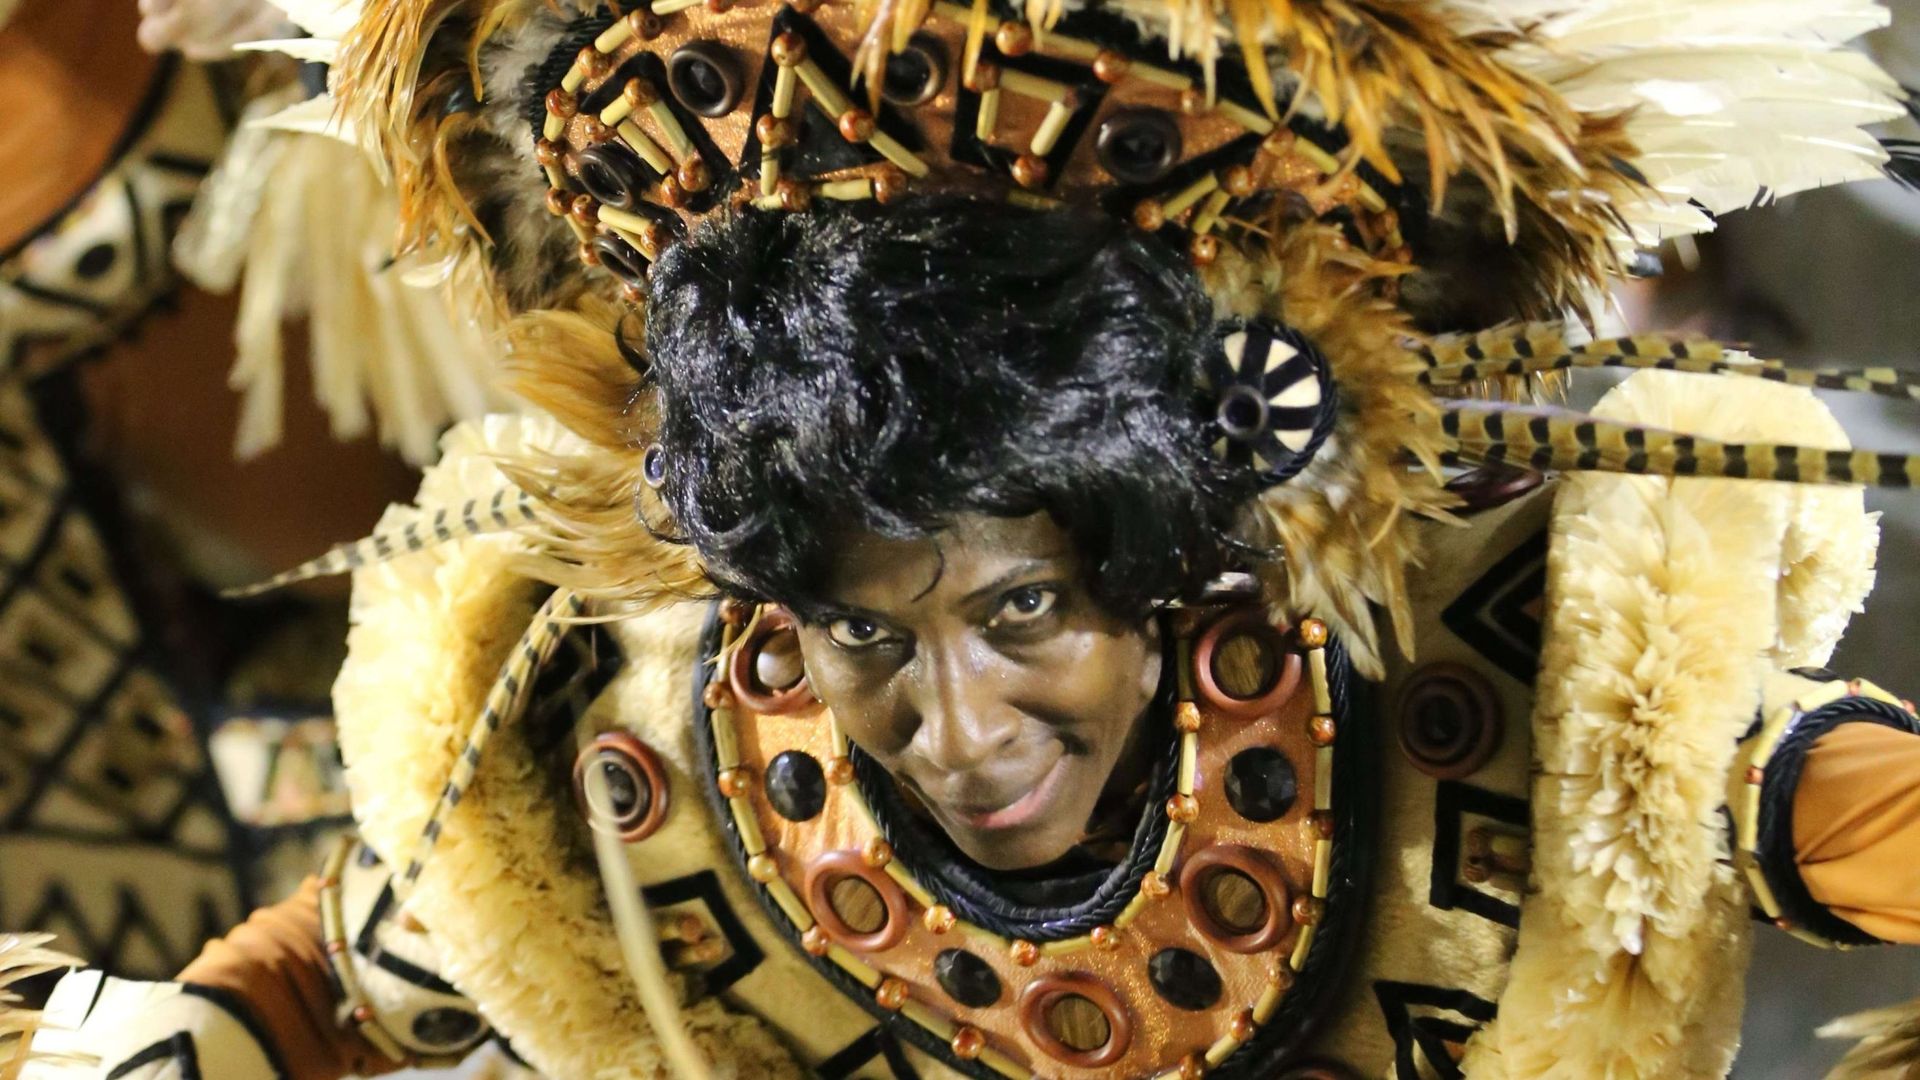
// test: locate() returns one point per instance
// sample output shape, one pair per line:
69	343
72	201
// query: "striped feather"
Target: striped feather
1699	357
508	509
505	702
1562	440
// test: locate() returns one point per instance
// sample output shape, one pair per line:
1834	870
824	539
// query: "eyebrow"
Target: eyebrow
1013	574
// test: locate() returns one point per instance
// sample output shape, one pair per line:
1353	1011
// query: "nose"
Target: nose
963	721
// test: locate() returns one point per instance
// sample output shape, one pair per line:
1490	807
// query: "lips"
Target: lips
1025	809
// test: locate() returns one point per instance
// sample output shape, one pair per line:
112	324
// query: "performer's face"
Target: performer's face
977	669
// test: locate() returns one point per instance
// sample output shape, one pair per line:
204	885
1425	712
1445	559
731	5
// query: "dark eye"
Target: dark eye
1024	605
855	632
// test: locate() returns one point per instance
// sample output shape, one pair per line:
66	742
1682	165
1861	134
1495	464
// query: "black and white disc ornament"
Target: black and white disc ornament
1273	400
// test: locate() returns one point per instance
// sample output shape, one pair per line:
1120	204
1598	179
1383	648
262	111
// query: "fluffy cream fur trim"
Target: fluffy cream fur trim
534	947
1661	629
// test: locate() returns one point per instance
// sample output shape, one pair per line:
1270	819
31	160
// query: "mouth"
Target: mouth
1023	810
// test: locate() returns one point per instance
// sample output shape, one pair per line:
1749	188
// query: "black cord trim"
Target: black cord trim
1775	837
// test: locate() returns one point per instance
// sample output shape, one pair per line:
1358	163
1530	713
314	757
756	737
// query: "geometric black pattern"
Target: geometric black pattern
176	1049
113	831
1436	1035
877	1042
1453	802
703	888
1499	615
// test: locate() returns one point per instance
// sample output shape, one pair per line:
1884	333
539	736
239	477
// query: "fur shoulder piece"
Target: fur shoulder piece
1661	628
524	932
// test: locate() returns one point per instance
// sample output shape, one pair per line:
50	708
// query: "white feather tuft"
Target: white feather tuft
332	19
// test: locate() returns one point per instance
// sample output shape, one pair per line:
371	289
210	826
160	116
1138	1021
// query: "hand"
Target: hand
205	30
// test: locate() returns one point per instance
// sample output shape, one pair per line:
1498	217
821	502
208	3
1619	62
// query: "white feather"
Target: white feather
314	50
332	19
314	116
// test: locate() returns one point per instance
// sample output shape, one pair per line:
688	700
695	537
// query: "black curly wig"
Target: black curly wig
860	368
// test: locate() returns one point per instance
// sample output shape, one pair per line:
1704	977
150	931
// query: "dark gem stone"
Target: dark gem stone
445	1027
1185	979
654	465
1138	146
967	979
95	262
1260	784
796	786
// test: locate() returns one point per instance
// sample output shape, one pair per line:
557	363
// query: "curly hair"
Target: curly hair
886	370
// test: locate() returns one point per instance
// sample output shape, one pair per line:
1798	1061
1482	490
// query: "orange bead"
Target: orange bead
693	175
1148	216
891	995
588	255
878	853
1024	953
1183	808
1322	824
938	919
840	770
735	782
1242	1027
968	1042
638	94
1030	171
562	104
789	49
1192	1067
1237	180
773	132
1186	717
794	198
1307	910
1313	633
584	210
815	941
558	201
1110	66
1756	775
546	153
592	62
717	696
985	77
1153	885
1013	38
889	184
1204	250
762	868
856	125
1105	937
1321	730
645	24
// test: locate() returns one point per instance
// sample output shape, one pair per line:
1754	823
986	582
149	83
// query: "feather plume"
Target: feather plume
1888	1044
23	956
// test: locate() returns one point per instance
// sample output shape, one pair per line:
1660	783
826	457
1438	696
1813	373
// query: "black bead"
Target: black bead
796	786
614	174
1260	784
967	979
622	259
445	1027
623	789
1185	979
913	76
705	78
1138	146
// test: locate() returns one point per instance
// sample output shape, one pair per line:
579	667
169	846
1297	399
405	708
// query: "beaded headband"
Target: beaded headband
672	112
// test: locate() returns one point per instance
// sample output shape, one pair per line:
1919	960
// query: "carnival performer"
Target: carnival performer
1045	549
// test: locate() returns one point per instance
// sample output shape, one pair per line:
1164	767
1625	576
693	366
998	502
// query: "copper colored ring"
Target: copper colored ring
1258	869
1286	679
746	683
646	766
832	866
1479	709
1038	999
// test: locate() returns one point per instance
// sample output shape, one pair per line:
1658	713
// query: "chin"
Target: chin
1010	853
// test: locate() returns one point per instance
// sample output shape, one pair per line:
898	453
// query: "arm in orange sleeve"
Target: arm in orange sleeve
275	965
1856	828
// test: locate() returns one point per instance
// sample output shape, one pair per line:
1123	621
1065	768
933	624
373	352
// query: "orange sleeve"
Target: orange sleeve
1856	828
276	964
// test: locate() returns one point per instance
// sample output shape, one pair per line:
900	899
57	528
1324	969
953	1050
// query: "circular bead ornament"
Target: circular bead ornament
796	785
630	798
1274	397
1261	785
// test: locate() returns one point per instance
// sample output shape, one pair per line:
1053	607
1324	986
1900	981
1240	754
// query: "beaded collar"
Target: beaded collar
1207	951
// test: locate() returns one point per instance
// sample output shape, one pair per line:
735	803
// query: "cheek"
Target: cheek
863	703
1095	678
